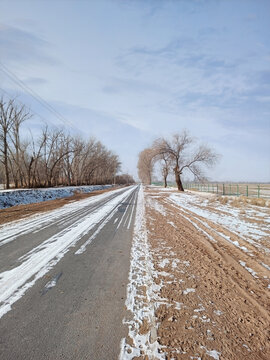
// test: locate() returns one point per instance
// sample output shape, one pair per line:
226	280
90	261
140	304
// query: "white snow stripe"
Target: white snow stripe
130	206
131	215
14	282
9	232
120	222
104	222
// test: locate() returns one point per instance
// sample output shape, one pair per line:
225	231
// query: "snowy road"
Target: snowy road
63	277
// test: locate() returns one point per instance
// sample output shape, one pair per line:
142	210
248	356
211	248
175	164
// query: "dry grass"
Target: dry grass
243	200
236	203
223	200
212	199
258	202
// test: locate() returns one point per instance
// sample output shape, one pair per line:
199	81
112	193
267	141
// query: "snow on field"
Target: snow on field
229	217
37	262
156	205
10	198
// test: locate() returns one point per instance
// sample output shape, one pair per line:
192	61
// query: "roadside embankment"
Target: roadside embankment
14	213
10	198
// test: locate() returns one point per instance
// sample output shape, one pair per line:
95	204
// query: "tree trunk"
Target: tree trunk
149	179
178	181
16	181
165	181
17	166
29	172
6	162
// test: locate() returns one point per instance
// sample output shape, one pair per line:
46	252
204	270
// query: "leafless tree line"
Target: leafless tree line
53	158
124	179
176	155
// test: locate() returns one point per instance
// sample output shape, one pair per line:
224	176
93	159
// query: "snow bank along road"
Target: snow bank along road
12	197
63	277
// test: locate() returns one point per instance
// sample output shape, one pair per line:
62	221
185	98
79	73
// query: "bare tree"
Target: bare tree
124	179
145	165
21	114
54	158
7	118
166	164
183	157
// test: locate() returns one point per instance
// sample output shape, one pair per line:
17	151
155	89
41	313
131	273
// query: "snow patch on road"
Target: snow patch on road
15	282
10	231
52	283
101	226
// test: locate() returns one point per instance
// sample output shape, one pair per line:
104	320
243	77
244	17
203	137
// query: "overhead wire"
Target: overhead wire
35	95
11	97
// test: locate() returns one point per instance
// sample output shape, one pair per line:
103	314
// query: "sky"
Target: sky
128	72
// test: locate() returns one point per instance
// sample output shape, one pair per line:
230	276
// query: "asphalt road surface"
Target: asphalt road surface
63	278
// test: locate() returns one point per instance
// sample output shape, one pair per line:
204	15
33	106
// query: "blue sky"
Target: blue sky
130	71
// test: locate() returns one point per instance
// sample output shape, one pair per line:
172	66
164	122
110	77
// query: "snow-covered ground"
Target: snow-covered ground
142	295
205	256
10	198
238	220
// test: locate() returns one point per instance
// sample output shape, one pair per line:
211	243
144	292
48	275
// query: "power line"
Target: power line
11	97
36	96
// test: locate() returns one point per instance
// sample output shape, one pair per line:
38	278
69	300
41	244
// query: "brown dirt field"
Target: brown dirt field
213	307
21	211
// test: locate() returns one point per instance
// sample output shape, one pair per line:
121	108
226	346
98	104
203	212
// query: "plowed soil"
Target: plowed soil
215	285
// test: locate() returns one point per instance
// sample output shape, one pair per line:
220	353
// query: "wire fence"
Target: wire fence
232	189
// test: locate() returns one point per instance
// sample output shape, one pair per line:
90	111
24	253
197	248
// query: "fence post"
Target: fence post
223	189
237	190
247	191
258	191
